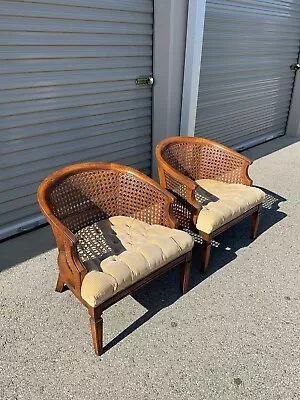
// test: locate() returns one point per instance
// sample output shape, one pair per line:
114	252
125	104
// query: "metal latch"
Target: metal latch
144	81
294	67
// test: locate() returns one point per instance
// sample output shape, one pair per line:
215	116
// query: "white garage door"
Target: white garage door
245	81
68	93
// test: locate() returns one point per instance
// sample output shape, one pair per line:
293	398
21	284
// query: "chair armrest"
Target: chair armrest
186	207
68	257
182	186
69	238
224	164
69	263
66	243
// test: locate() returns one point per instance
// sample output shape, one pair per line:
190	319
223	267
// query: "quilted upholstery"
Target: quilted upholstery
226	202
120	251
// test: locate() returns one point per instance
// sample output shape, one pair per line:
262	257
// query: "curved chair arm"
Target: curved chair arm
205	159
228	165
50	217
66	242
182	186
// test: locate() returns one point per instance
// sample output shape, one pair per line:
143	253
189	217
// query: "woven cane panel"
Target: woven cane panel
85	197
180	206
204	161
182	212
140	200
201	199
220	165
184	157
92	243
174	186
88	197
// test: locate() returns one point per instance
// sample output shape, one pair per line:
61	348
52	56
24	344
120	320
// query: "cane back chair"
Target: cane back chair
212	187
114	232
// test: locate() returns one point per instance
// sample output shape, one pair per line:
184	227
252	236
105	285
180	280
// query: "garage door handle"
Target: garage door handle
144	81
294	67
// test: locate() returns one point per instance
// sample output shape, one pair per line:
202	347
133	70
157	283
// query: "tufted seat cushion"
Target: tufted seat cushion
120	251
226	201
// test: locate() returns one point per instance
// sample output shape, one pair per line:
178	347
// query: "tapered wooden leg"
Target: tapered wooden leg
97	334
59	284
255	223
185	273
205	254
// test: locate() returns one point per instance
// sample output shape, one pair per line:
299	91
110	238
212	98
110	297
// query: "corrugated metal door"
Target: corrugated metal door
68	93
245	81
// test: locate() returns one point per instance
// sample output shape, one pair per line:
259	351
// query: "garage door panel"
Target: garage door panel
101	11
100	121
37	176
217	21
51	25
67	114
67	74
125	129
17	203
244	95
49	79
22	212
75	51
246	129
240	121
49	38
245	81
145	6
15	95
237	116
116	153
54	150
65	103
72	64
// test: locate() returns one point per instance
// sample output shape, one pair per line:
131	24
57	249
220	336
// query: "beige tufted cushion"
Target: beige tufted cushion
228	202
119	251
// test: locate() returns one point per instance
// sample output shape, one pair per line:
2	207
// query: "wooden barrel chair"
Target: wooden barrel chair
212	187
114	232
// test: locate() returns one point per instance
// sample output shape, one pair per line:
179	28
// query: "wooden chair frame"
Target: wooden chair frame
71	270
183	160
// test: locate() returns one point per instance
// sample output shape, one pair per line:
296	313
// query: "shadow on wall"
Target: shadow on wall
164	291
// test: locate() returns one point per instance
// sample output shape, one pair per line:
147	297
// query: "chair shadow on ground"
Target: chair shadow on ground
164	291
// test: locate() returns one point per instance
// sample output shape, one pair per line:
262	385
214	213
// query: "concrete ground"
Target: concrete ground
234	335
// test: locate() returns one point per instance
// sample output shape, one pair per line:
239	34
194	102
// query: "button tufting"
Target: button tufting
149	248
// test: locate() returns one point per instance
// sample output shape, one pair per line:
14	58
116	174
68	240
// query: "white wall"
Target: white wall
170	22
193	54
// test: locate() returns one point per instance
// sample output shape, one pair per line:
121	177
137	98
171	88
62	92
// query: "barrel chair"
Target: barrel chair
115	232
212	187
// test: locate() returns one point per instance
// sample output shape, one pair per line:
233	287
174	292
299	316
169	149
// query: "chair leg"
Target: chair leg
185	273
205	254
96	325
59	284
255	223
